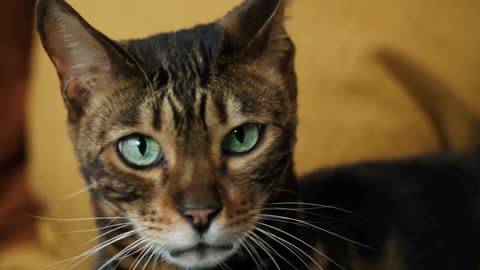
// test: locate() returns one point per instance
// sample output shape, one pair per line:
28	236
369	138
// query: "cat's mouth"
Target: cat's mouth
201	255
200	250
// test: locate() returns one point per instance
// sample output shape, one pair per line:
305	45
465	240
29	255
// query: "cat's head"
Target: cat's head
186	134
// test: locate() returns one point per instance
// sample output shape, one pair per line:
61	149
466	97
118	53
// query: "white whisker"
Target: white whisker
119	254
303	242
313	205
259	244
265	243
82	257
139	259
94	230
110	231
284	243
248	251
75	219
306	224
84	189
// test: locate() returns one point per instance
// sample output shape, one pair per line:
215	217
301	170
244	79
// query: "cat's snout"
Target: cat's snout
200	218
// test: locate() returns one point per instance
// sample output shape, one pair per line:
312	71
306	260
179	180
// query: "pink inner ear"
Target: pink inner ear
76	49
80	53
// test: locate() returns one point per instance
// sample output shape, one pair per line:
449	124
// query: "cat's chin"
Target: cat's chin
200	256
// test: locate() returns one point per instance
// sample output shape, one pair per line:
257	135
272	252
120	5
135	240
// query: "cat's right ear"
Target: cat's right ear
87	62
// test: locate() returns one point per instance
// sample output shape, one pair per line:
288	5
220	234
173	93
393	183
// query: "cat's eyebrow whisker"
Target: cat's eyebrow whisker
78	192
306	224
256	241
142	70
285	244
303	242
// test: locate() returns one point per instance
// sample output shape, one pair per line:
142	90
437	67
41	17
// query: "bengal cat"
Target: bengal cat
187	139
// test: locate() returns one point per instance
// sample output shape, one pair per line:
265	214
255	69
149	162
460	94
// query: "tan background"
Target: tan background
350	107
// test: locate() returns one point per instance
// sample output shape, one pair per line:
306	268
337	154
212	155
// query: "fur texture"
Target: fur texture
187	90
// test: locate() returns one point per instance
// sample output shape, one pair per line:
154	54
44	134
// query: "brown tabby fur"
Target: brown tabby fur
187	90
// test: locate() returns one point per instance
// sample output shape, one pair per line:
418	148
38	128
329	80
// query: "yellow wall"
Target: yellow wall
350	109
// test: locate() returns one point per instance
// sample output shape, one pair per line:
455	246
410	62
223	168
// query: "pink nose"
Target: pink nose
200	218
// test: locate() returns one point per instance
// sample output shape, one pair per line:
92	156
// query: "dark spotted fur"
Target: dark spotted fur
187	90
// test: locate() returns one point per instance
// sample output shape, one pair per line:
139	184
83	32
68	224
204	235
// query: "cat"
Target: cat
187	139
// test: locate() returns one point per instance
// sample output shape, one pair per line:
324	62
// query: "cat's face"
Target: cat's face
185	135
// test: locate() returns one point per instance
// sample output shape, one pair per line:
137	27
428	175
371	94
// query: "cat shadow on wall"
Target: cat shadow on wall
455	124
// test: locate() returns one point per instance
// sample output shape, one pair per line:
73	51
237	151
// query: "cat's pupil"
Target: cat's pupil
142	145
239	134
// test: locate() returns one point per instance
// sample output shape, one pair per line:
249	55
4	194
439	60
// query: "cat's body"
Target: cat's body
187	140
418	213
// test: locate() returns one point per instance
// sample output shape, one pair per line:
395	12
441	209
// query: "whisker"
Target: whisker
123	251
84	189
87	253
129	252
142	70
157	256
316	206
306	224
248	251
272	249
259	244
303	211
110	231
144	252
82	257
145	264
93	230
254	250
285	243
303	242
76	219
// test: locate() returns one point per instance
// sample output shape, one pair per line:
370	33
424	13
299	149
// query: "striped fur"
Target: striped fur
187	90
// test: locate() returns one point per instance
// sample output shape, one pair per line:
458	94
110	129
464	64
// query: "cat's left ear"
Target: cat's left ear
87	62
255	31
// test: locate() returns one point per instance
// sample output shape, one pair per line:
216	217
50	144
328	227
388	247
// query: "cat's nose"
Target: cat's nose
200	218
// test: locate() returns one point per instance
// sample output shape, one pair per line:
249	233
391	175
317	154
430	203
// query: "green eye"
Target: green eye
242	139
139	150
